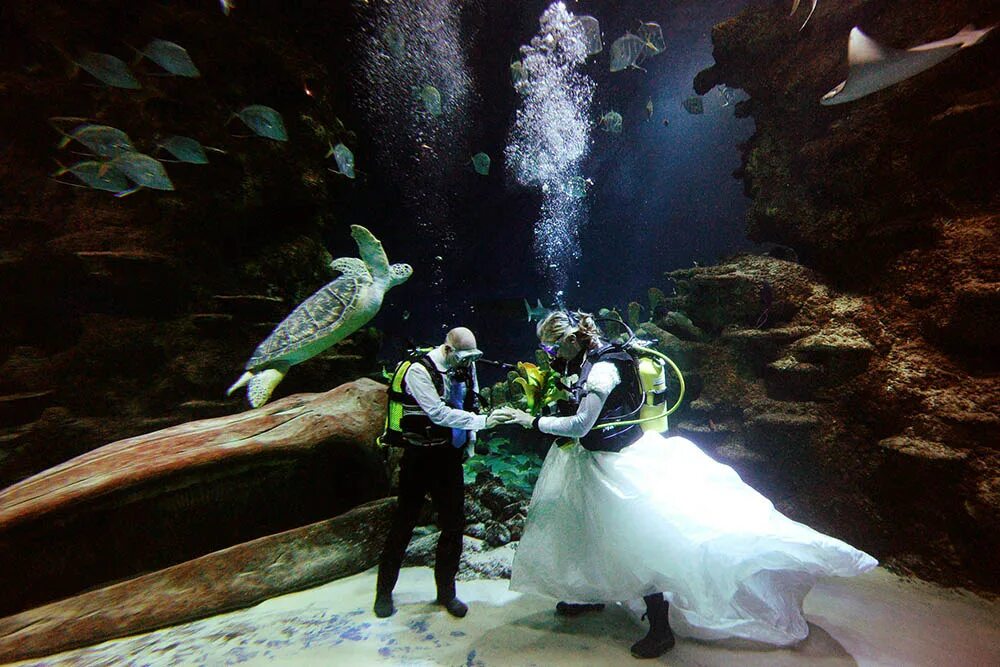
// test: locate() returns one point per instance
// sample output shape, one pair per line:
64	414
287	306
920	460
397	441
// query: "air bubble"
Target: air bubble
551	135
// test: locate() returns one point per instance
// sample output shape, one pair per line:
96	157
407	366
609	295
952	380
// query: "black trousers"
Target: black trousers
436	471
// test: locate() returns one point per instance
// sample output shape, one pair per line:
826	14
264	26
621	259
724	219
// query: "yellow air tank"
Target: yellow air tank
653	414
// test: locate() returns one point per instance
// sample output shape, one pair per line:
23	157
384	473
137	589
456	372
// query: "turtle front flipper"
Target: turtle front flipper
371	251
239	383
351	266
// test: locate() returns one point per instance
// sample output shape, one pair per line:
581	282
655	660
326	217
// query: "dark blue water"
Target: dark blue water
663	196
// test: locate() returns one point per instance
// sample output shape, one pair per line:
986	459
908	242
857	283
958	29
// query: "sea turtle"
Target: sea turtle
334	312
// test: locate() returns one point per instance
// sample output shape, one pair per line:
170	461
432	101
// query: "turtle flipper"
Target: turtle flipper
239	383
371	251
351	266
262	384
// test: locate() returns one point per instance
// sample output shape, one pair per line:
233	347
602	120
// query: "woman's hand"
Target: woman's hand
495	418
515	416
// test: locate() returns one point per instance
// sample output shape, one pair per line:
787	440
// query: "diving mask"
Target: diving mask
465	357
552	349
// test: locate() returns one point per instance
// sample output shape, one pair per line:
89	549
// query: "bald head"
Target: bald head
461	338
460	348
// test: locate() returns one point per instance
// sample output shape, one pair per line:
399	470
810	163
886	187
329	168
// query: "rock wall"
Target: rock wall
126	315
850	186
867	401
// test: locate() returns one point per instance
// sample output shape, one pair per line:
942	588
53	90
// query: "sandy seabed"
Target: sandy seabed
874	619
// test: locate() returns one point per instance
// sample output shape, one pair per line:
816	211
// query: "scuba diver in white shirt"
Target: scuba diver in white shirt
432	414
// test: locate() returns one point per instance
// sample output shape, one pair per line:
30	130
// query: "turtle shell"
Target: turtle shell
316	318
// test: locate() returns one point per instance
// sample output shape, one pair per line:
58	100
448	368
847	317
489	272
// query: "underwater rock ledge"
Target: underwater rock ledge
891	200
843	410
849	187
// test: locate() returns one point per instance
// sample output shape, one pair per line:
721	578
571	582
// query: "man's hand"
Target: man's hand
496	418
515	416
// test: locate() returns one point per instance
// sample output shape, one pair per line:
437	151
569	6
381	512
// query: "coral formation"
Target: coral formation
843	413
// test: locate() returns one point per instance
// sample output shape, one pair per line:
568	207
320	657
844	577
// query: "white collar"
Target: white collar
437	356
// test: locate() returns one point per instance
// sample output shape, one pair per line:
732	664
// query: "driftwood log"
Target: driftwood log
157	500
233	578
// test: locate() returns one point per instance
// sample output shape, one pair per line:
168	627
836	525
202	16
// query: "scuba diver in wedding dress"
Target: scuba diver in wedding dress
620	512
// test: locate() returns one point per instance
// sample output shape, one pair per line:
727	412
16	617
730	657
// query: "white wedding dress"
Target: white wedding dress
663	516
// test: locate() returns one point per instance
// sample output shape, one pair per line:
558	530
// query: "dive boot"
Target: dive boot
660	637
455	607
383	605
446	598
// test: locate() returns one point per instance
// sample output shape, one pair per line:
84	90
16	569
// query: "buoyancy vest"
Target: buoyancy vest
406	423
623	403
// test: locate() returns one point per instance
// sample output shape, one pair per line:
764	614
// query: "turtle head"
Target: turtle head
399	274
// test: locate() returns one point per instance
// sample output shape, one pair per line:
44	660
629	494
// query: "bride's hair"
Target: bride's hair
558	323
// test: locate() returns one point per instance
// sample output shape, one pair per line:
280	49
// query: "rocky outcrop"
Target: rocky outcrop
836	407
163	498
851	186
889	338
480	560
233	578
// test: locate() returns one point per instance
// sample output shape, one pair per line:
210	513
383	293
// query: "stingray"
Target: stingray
185	149
108	69
874	67
517	72
102	140
395	41
694	105
431	98
96	175
611	122
172	57
576	187
143	170
264	121
795	5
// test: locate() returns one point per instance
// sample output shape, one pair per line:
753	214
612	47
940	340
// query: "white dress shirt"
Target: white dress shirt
420	386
